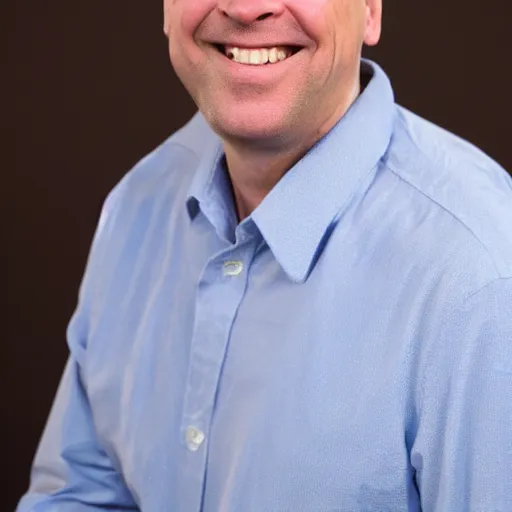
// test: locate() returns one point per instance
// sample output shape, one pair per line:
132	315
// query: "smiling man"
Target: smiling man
299	302
270	77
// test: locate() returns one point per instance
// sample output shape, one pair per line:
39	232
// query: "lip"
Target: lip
256	46
254	74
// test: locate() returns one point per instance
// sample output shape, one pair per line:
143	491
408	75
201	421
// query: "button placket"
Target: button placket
221	289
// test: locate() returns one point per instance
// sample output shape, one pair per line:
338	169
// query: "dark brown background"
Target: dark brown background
93	92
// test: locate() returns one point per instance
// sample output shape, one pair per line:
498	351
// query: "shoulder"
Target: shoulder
162	176
146	200
168	168
468	195
156	185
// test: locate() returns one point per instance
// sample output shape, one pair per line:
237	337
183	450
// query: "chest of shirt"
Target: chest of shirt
237	389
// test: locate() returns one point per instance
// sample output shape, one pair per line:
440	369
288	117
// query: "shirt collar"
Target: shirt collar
298	214
210	190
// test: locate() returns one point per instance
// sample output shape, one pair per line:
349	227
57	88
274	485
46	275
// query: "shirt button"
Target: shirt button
194	438
233	268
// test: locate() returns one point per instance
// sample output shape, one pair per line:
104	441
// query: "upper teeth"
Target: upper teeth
257	56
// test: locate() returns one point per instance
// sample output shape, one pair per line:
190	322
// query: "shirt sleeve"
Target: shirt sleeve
71	470
462	453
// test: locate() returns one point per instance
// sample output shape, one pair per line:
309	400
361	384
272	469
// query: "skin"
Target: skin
268	121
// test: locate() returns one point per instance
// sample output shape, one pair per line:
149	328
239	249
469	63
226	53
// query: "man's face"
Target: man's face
287	100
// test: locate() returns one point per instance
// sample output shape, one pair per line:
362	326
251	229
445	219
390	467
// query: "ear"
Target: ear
373	22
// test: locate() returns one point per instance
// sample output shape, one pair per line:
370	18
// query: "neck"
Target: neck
254	173
254	169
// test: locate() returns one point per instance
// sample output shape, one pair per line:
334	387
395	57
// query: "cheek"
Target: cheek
180	61
310	8
315	16
187	63
187	15
329	22
180	31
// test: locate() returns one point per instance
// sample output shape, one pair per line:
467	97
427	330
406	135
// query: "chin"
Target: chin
246	128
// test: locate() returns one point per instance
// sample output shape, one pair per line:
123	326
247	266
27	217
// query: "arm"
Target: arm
71	470
463	450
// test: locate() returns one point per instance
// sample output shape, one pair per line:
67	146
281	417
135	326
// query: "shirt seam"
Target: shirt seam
456	306
184	146
449	212
487	285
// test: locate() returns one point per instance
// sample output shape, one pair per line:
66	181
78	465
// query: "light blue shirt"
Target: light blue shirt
346	348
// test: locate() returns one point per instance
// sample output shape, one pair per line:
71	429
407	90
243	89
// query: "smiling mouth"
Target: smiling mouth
257	56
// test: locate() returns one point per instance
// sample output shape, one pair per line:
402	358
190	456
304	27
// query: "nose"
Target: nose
246	12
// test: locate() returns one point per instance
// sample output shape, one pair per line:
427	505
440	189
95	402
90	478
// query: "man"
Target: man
299	302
